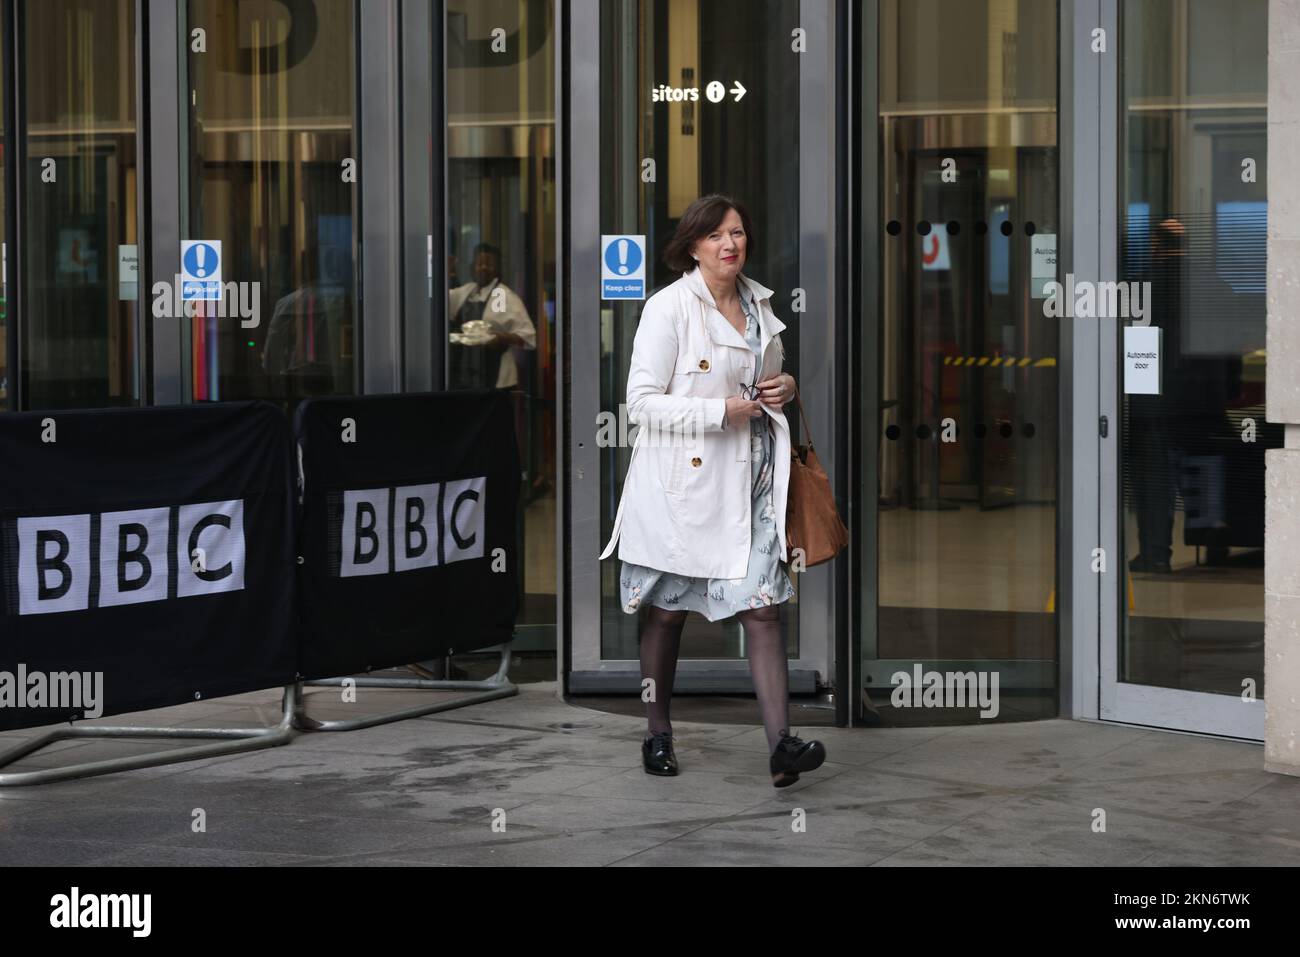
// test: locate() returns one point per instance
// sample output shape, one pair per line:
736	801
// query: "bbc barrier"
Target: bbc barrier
409	537
152	546
408	505
191	552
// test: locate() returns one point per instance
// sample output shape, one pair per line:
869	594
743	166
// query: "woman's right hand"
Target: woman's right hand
741	410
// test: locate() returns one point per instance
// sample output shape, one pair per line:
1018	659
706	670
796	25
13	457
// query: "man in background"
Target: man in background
488	363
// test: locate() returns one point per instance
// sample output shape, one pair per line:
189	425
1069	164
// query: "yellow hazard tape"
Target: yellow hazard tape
1004	362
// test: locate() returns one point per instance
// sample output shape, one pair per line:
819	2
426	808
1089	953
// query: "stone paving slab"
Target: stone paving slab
563	785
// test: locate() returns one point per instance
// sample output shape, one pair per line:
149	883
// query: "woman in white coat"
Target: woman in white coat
701	521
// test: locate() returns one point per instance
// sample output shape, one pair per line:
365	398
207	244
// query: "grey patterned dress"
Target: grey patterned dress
766	582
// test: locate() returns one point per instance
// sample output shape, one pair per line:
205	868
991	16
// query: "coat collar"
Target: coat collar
723	332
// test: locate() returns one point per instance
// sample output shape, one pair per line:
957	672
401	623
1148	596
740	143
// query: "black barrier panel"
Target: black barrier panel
408	528
146	556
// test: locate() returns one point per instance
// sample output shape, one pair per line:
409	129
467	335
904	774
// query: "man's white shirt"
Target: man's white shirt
512	319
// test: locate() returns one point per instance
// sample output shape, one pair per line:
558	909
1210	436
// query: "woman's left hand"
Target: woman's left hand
776	391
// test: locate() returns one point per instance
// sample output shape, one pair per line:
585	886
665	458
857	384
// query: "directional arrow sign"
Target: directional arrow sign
738	91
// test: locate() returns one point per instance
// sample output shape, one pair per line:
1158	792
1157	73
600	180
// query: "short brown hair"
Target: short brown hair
701	218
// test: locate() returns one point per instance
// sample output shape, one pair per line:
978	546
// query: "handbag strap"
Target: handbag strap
803	418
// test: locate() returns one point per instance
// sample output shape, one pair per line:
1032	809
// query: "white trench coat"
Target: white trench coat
685	506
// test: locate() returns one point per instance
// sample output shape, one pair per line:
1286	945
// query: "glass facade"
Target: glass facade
271	176
80	334
1194	214
943	380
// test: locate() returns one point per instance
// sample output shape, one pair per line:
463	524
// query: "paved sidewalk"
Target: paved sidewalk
570	784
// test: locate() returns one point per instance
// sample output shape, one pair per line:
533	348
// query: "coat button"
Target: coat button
704	364
697	462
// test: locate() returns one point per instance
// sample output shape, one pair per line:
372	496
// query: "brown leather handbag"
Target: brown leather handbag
812	522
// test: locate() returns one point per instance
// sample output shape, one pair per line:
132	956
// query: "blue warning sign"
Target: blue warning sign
622	267
200	269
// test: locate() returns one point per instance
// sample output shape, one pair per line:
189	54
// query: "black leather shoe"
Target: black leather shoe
792	757
657	755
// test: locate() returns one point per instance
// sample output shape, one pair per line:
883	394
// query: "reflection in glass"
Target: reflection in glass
968	434
500	270
271	141
1194	107
80	230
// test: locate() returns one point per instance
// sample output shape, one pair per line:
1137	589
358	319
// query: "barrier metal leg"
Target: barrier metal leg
233	741
498	686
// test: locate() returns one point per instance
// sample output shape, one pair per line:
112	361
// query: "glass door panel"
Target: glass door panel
501	252
966	482
1191	505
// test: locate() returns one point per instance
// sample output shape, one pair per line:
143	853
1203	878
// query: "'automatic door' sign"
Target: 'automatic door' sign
77	562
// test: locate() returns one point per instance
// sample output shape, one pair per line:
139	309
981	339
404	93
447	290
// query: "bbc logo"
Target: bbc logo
414	526
76	562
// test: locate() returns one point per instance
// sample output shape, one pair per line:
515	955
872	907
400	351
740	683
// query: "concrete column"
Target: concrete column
1282	481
